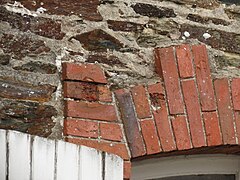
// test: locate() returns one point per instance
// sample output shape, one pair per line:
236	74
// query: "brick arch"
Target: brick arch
186	112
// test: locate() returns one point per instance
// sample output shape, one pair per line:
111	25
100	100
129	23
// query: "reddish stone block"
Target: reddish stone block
212	128
203	77
119	149
237	122
105	95
141	102
184	59
236	93
130	123
22	45
42	26
111	131
127	170
182	136
150	136
13	89
80	90
124	26
165	62
81	128
225	110
194	113
83	72
90	110
88	10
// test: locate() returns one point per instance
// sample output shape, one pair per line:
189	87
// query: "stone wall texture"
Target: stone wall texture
89	69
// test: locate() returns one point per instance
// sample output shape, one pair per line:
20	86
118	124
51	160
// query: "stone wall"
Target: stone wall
119	36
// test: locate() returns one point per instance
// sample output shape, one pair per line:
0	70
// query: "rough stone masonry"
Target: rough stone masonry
36	36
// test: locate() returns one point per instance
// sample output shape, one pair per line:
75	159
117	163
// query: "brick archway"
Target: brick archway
186	112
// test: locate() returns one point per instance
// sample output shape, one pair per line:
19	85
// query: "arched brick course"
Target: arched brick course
186	112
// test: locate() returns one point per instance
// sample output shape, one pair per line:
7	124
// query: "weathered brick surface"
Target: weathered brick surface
81	128
169	71
18	90
130	123
193	113
83	72
141	102
225	110
156	88
160	113
236	93
115	148
111	131
184	59
212	127
104	94
204	80
150	136
90	110
80	90
182	136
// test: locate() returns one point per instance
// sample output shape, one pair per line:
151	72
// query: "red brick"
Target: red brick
182	136
155	88
165	61
237	121
184	59
105	95
81	128
114	148
225	110
111	132
80	90
127	170
83	72
236	93
164	128
194	114
212	128
130	123
150	136
90	110
141	102
203	77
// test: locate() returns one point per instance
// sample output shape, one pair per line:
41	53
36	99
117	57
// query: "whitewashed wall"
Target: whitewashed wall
24	157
